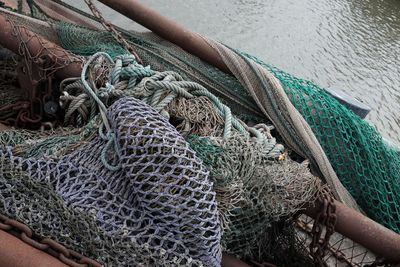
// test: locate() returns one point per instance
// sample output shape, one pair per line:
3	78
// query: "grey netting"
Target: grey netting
153	204
36	203
271	98
254	191
161	197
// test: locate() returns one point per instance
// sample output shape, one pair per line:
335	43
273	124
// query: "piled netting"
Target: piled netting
247	176
255	193
366	166
245	182
95	41
161	197
163	56
246	209
154	159
28	199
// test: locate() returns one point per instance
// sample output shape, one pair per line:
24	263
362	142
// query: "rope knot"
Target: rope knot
106	91
111	146
126	59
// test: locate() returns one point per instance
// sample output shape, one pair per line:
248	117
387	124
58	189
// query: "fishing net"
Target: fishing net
228	187
161	196
367	167
160	180
254	191
364	164
27	199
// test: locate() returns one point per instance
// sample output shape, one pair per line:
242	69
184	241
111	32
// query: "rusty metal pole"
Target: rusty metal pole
169	30
361	229
54	10
230	261
35	45
16	253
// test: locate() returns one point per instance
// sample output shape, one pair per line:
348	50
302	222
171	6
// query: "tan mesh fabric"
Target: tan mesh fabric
274	103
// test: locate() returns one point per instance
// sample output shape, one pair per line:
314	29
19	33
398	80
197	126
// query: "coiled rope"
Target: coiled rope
157	89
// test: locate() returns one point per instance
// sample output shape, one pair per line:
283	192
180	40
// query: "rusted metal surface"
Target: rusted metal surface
326	217
3	127
361	229
169	30
15	253
110	28
56	11
21	6
230	261
36	44
40	249
40	60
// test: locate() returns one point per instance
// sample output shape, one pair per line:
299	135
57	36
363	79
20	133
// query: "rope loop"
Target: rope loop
110	136
157	89
111	145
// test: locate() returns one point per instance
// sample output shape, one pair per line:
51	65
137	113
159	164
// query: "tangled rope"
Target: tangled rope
157	89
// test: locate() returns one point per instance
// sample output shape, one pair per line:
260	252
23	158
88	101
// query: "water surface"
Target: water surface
351	45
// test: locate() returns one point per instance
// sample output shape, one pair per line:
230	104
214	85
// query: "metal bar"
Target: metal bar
16	253
169	30
35	46
361	229
230	261
350	223
56	11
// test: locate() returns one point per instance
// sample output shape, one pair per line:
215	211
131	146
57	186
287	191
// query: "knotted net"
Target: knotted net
243	197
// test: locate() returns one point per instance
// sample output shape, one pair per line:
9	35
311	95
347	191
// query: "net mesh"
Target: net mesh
177	181
161	197
254	192
366	166
27	199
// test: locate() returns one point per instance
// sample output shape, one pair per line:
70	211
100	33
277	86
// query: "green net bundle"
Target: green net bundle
218	159
130	183
367	167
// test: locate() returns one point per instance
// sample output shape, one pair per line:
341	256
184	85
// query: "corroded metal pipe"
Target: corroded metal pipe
9	40
230	261
169	30
16	253
4	127
361	229
54	10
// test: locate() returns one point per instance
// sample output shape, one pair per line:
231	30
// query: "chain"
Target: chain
110	28
34	74
320	238
65	255
339	255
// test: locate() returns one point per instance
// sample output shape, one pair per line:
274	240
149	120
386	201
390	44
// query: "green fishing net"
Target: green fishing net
365	165
368	168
